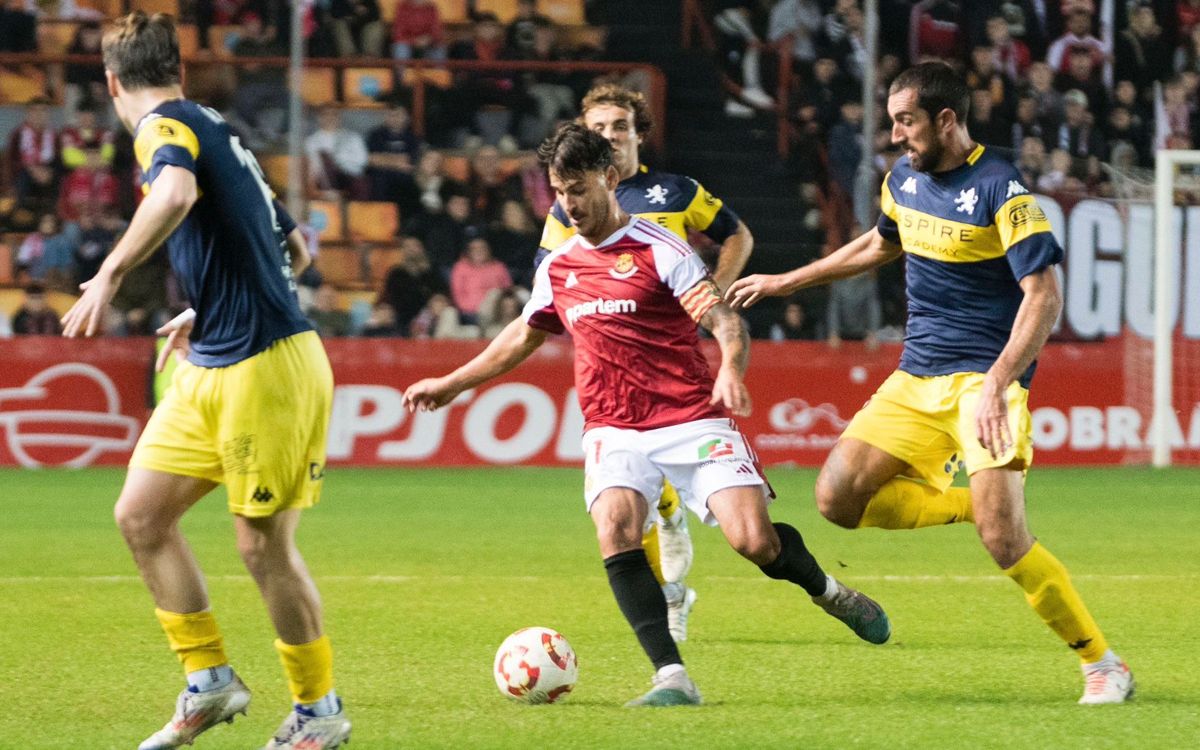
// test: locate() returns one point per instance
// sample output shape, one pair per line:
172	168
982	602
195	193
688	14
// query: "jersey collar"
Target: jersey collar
610	239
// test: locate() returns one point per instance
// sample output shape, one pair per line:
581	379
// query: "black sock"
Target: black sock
795	563
642	602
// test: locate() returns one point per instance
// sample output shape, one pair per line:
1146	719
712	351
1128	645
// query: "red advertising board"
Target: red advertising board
79	403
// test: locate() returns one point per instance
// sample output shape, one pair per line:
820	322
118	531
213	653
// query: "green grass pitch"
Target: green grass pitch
424	572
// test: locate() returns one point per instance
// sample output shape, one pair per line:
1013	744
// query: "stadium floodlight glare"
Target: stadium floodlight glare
1166	268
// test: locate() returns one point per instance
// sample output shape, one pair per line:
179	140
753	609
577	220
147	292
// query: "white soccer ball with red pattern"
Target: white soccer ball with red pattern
536	665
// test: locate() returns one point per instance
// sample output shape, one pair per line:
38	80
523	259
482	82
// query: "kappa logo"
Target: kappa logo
966	201
909	186
624	267
37	435
572	280
715	448
657	194
262	495
1014	188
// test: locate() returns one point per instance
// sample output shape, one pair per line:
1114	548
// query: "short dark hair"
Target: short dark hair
142	51
573	150
938	87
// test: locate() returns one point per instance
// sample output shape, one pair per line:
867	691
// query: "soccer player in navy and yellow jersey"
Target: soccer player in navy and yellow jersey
681	205
249	408
982	299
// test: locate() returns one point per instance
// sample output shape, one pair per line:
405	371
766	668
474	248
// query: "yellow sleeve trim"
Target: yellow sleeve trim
1019	218
887	204
164	131
555	233
702	210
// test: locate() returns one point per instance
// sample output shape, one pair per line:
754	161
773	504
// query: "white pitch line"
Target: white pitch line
398	579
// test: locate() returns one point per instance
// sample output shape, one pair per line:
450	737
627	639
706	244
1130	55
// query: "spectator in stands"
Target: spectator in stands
984	75
1083	75
32	158
853	311
18	27
492	101
48	254
1041	87
845	39
741	28
1027	124
535	185
800	20
1177	110
439	320
429	180
845	146
260	87
444	233
1127	96
499	308
554	92
326	313
793	325
409	285
1009	56
828	90
393	152
381	323
1124	128
97	233
86	143
934	28
337	156
87	152
1187	56
1141	53
1076	134
145	290
514	241
522	30
356	28
1032	163
1058	176
473	276
491	185
85	84
35	317
417	31
1078	36
986	123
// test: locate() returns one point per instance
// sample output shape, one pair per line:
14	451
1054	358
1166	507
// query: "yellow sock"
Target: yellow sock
905	503
195	639
309	668
1049	591
653	555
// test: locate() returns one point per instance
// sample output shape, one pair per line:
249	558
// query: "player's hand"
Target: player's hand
177	330
991	419
428	394
730	390
85	315
749	290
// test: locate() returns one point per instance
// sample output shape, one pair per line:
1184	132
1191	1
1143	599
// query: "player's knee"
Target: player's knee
617	534
141	527
258	554
1004	543
759	546
835	501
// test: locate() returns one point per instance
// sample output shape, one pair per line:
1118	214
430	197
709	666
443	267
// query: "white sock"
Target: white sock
668	671
831	588
327	706
213	678
1110	659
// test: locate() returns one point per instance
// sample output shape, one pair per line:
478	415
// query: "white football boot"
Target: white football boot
303	731
197	712
1106	681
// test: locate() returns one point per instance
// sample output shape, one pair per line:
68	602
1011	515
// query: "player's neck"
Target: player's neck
956	153
141	102
616	220
630	172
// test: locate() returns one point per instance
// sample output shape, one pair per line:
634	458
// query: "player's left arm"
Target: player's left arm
171	197
733	256
709	214
703	302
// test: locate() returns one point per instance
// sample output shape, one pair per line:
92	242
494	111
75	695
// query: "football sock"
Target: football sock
795	563
904	503
671	669
653	552
213	678
326	706
195	639
642	602
1049	591
309	668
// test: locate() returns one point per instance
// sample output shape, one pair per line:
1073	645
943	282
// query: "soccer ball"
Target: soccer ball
536	665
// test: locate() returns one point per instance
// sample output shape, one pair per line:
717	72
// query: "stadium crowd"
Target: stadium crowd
1071	100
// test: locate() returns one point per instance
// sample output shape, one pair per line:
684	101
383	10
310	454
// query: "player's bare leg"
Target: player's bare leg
779	551
268	548
999	499
620	516
861	485
148	514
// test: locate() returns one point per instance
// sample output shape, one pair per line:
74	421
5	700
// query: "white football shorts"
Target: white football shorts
697	458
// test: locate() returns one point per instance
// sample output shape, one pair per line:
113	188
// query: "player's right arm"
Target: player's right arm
171	197
869	250
511	347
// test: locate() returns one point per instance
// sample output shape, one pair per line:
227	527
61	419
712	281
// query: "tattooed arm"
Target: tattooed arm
731	335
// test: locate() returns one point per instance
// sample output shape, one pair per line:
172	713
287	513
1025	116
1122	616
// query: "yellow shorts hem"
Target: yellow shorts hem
249	511
167	468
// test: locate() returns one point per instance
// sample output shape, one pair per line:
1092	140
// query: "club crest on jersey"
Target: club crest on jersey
966	201
657	194
624	267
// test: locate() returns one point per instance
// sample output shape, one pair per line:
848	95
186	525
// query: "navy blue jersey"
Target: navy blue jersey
672	201
230	253
971	234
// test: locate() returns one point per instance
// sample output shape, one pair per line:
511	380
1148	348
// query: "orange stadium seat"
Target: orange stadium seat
110	8
505	10
452	11
6	263
387	10
21	86
340	266
372	221
439	77
216	40
156	6
565	12
189	40
317	86
380	261
326	218
275	168
457	168
55	37
363	87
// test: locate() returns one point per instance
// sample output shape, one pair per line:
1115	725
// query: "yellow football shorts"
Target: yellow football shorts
258	426
929	423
